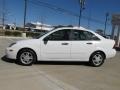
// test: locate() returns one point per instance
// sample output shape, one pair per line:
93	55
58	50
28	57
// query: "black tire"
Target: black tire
26	57
97	59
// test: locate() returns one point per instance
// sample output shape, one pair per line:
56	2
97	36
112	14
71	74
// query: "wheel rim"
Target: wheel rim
97	59
26	57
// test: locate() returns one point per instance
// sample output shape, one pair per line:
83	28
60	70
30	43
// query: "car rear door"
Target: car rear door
82	45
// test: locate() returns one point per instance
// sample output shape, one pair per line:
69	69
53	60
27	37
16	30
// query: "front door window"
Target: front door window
61	35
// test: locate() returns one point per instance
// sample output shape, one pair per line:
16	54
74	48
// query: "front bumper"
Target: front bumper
11	53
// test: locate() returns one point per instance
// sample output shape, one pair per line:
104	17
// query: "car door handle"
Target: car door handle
89	43
65	43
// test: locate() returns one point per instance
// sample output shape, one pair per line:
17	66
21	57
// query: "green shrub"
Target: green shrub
36	34
16	33
32	34
2	32
8	33
21	29
12	33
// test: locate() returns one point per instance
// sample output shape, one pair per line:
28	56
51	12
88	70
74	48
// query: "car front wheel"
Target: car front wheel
26	57
97	59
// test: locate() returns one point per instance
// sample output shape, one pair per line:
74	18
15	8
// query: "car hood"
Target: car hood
28	41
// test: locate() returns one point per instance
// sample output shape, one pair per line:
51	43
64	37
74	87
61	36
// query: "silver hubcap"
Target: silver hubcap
97	59
26	57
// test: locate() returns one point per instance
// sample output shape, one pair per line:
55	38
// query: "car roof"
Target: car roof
78	28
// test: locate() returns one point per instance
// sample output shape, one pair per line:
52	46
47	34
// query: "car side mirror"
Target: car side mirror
45	40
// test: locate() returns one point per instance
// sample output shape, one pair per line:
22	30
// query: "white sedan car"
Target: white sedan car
63	44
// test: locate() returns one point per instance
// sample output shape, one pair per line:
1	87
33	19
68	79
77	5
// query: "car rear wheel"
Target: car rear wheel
26	57
97	59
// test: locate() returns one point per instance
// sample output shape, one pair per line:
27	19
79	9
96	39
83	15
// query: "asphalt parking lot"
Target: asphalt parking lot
57	76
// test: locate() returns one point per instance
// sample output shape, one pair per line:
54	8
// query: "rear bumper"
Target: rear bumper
111	53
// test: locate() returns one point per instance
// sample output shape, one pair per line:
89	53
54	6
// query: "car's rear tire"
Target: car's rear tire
97	59
26	57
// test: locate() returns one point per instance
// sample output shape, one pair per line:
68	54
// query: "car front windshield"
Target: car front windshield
40	35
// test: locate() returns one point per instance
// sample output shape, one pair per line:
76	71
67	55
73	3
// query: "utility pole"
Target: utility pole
106	19
25	10
41	21
3	19
3	13
82	3
14	24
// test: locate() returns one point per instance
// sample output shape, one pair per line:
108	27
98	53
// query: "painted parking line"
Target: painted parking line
59	83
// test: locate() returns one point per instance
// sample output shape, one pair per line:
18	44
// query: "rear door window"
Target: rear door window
83	35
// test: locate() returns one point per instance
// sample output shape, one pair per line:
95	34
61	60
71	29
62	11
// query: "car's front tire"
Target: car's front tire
26	57
97	59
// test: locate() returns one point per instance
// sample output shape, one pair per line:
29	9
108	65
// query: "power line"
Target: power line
53	7
59	9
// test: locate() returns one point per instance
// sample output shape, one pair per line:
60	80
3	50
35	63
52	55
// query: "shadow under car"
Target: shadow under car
4	58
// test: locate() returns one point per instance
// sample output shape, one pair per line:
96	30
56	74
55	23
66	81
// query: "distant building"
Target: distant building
10	27
39	26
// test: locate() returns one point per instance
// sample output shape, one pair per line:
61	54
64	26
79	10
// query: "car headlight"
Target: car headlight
12	44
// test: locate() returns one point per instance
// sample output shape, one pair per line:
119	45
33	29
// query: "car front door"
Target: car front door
82	45
56	46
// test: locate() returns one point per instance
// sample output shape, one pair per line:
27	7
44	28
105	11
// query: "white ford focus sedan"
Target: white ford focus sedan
63	44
